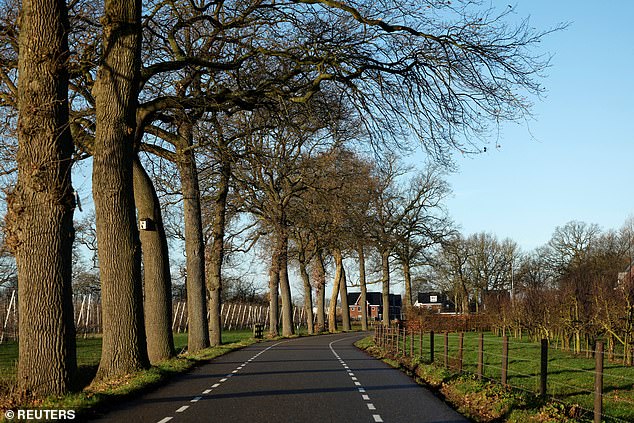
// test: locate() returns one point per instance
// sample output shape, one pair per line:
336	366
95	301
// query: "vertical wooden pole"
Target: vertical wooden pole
420	342
411	344
431	346
505	358
481	356
398	333
598	383
544	369
460	351
446	350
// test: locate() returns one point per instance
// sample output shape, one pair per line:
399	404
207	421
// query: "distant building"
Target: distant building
374	304
438	302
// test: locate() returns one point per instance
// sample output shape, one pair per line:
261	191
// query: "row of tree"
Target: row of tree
263	102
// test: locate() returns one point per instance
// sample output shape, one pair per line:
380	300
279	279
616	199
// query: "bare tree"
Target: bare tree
157	279
116	96
39	218
421	222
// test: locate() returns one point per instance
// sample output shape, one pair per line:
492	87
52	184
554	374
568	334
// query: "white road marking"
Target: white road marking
196	399
165	420
215	385
377	417
235	371
206	391
224	379
183	408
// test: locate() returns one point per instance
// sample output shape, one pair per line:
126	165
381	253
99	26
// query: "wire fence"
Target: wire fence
591	382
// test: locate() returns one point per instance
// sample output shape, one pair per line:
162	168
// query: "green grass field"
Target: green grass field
88	355
570	377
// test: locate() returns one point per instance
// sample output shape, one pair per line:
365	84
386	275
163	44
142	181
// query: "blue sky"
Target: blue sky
573	160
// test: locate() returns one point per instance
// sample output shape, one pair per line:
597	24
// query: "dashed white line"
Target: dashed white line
183	408
377	417
206	391
196	399
224	379
215	385
165	420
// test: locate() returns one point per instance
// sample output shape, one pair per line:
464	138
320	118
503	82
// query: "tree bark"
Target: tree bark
274	287
285	288
198	328
364	290
408	284
308	296
116	94
157	304
332	307
40	208
214	281
385	269
343	290
321	292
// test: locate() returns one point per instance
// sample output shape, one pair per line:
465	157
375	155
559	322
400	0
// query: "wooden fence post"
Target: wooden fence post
460	351
431	346
544	369
398	334
481	356
446	350
598	383
411	344
505	358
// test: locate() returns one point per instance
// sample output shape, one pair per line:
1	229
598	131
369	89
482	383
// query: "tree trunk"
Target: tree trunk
308	297
198	328
274	287
332	307
157	304
39	219
364	290
214	281
285	288
408	285
321	292
343	290
385	269
124	348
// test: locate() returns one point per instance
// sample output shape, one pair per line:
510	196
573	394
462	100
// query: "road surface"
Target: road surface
311	379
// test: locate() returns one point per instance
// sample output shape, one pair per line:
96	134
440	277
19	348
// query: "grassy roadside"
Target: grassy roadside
93	397
480	401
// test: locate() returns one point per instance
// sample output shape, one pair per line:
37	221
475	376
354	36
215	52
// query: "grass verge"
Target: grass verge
93	397
481	401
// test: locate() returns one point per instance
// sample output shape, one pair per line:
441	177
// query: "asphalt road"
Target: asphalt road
311	379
